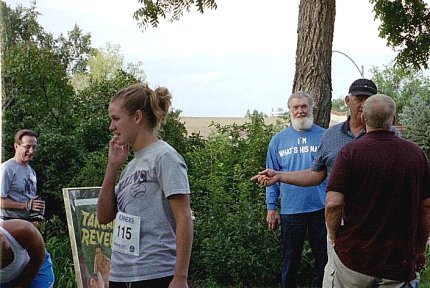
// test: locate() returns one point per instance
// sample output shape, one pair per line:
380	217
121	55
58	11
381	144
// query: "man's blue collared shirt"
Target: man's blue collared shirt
333	139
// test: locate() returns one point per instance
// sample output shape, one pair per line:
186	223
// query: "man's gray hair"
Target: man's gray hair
379	111
301	94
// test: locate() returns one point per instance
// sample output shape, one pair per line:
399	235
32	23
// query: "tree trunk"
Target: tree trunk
313	55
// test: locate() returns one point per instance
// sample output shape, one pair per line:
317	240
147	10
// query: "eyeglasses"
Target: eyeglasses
28	147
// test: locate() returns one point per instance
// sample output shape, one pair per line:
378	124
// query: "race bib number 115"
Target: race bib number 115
126	234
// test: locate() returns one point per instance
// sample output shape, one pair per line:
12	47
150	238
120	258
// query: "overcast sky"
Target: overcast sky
225	61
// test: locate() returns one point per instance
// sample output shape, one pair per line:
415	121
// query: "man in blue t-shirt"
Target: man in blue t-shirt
302	208
334	138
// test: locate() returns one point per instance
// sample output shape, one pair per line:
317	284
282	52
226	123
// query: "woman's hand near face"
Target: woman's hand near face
117	153
106	205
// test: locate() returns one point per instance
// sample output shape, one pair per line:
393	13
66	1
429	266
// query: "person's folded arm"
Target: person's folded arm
31	240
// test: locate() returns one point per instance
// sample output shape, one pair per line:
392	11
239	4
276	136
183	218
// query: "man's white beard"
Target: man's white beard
302	123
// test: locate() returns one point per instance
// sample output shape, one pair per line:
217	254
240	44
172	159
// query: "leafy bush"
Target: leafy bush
416	118
57	242
232	244
425	275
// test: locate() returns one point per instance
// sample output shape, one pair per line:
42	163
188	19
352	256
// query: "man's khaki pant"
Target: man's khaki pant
339	276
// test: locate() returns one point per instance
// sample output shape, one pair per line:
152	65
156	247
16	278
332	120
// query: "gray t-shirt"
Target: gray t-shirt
156	172
18	184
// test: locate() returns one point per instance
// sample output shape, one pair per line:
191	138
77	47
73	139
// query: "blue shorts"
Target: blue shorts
44	278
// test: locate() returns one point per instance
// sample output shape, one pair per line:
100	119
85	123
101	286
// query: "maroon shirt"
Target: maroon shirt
383	179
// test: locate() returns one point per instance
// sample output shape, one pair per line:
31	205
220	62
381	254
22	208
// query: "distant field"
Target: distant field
201	124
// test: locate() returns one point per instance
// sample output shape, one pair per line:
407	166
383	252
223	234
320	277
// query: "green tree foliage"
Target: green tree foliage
254	113
401	84
36	95
405	24
411	92
57	242
35	83
416	117
75	50
339	105
105	64
72	127
230	210
152	11
175	133
102	64
90	110
19	25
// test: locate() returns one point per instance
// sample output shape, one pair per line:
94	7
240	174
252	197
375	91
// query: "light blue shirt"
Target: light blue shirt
291	150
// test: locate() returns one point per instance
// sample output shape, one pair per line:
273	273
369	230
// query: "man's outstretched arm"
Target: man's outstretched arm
304	178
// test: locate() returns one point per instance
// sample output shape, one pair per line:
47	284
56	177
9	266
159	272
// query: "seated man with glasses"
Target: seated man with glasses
19	198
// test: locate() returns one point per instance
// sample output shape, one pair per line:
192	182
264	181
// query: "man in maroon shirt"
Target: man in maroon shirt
380	187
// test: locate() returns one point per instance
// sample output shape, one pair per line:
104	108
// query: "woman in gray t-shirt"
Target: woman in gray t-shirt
153	230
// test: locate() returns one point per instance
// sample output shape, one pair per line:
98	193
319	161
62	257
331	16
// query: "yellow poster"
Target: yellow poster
91	241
